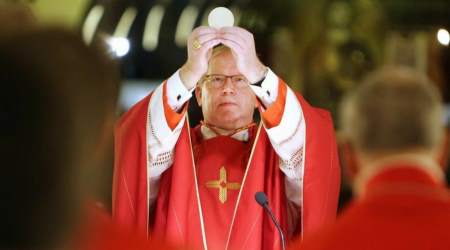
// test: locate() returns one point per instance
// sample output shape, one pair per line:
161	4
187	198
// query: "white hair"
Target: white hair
394	109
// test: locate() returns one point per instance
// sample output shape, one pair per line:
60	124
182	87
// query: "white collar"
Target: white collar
207	133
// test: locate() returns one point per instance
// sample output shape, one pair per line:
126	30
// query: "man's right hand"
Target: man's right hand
199	47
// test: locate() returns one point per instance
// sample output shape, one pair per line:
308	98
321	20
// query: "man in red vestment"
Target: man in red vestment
402	201
196	186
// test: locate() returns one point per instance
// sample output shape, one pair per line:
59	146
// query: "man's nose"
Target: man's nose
228	86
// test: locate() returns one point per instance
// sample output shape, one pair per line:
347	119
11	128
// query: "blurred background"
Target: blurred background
322	48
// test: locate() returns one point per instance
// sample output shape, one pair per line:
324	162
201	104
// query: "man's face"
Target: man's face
231	105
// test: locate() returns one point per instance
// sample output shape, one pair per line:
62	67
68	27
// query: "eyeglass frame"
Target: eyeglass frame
207	78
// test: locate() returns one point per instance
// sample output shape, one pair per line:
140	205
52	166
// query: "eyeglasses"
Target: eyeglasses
218	81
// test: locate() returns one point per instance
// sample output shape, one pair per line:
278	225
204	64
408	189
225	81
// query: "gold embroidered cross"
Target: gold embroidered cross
223	185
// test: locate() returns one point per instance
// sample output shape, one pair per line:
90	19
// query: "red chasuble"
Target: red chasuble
220	166
189	207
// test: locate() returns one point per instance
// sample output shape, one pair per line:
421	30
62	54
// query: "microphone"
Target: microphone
261	198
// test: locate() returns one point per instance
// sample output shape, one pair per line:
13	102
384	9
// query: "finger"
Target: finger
199	32
197	42
206	37
235	38
243	33
234	46
209	44
202	30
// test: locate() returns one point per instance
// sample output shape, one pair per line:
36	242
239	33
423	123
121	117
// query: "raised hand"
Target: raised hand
242	45
199	46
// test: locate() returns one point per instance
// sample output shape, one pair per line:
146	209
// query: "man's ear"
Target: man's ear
350	160
198	95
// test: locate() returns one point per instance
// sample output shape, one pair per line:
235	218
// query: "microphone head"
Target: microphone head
261	198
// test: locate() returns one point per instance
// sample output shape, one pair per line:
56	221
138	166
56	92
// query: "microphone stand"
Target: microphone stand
261	198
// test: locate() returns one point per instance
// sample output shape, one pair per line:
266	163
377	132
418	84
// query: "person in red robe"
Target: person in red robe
402	201
196	186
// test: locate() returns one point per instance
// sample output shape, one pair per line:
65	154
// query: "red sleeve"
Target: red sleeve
129	199
321	180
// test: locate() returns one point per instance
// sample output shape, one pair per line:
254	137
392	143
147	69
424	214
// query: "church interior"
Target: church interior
321	48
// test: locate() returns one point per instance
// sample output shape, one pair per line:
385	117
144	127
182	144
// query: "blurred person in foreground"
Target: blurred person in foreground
196	186
393	123
16	18
57	110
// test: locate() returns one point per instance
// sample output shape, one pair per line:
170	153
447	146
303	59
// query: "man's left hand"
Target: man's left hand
242	45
